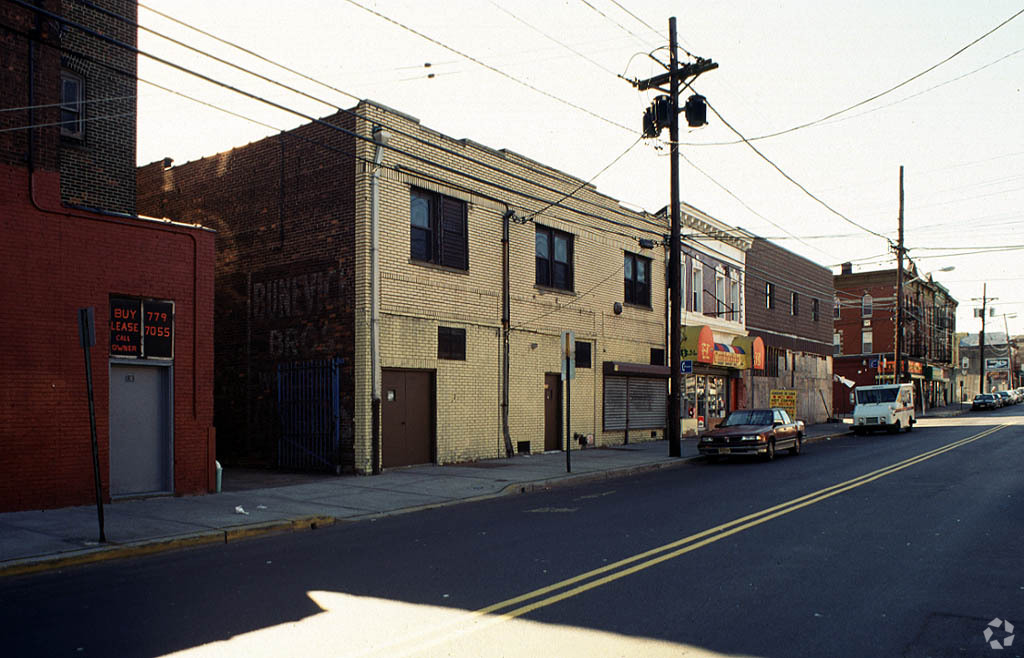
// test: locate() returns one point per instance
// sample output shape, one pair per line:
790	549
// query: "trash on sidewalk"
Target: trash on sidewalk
240	510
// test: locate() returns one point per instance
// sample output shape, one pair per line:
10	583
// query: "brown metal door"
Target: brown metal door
406	418
552	412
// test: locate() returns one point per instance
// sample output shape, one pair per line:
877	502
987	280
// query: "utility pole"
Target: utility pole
665	112
897	373
985	299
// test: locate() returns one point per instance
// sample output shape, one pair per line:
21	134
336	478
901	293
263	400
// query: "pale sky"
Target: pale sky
544	84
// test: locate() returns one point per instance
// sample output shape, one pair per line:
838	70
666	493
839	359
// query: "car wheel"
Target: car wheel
770	455
795	450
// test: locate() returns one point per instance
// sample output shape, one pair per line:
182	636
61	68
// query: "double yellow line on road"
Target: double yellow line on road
570	587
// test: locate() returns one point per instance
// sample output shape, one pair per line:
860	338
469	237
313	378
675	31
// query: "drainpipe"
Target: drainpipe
381	137
506	319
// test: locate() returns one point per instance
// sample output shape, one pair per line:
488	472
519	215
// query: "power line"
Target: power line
65	123
334	106
792	180
44	106
489	67
870	99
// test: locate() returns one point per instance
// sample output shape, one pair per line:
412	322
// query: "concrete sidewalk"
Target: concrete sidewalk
43	540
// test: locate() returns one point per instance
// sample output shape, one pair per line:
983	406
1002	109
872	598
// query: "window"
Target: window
814	309
657	356
451	343
734	301
438	231
554	258
866	346
837	343
794	304
72	111
582	354
637	271
697	288
835	308
865	306
721	303
769	295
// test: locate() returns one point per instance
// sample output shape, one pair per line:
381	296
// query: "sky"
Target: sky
546	79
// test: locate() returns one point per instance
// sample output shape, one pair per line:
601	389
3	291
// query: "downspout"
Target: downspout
505	330
381	137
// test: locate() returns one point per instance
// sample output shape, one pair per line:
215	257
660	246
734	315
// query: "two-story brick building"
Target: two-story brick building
433	277
70	240
865	328
788	304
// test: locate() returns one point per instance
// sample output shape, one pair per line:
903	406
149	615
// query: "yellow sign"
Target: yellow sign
784	398
729	359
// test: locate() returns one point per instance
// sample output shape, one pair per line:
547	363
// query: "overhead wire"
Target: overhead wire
489	67
871	98
560	179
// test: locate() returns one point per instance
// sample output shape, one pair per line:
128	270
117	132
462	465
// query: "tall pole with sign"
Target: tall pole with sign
568	374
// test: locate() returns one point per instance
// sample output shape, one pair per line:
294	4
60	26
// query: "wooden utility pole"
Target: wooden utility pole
898	347
658	121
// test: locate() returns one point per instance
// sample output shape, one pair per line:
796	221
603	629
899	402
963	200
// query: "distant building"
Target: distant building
865	328
70	240
1002	363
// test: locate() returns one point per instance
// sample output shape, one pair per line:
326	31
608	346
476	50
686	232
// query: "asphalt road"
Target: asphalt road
886	545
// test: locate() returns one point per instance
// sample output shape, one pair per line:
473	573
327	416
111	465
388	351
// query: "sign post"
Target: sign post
568	374
87	338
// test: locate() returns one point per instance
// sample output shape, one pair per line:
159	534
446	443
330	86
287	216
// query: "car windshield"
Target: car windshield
747	417
877	395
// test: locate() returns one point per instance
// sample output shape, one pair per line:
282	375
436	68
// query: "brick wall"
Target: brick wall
283	209
52	263
98	170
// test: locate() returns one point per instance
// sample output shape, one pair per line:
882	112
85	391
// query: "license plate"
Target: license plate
724	451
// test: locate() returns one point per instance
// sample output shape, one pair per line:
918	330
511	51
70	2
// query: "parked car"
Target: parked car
754	432
984	401
1004	397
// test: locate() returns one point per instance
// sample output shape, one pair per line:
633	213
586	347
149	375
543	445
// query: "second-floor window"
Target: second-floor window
554	258
866	345
794	307
769	295
697	289
438	231
721	303
72	108
734	301
836	309
837	343
637	273
865	306
814	309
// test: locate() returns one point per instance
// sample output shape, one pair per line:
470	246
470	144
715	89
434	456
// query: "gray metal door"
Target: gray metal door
140	430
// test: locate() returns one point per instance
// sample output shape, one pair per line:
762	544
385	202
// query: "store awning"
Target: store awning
698	344
753	348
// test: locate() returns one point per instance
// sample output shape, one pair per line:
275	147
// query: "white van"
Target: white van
886	406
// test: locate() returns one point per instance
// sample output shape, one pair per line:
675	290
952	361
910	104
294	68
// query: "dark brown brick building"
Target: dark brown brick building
788	305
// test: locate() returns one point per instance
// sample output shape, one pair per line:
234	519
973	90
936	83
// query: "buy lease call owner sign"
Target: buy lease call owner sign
141	328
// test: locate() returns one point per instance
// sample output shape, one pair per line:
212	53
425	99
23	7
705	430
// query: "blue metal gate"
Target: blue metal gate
309	407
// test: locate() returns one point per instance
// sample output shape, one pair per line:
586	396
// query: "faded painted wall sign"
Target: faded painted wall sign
292	309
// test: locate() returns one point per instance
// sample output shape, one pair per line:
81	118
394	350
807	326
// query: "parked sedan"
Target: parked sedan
1004	397
754	432
984	401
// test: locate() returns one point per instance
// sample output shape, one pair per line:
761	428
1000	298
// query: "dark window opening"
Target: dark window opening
72	106
554	258
438	230
582	354
657	356
451	343
637	271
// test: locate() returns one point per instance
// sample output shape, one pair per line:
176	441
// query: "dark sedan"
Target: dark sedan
984	401
754	432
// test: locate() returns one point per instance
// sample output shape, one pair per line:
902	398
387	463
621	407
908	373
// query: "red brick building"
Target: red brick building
69	240
865	328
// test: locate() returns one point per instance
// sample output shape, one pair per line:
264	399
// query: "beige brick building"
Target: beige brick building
483	259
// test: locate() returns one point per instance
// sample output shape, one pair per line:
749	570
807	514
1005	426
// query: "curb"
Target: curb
140	548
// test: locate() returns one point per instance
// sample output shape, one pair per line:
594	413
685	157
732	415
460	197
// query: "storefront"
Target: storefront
713	370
